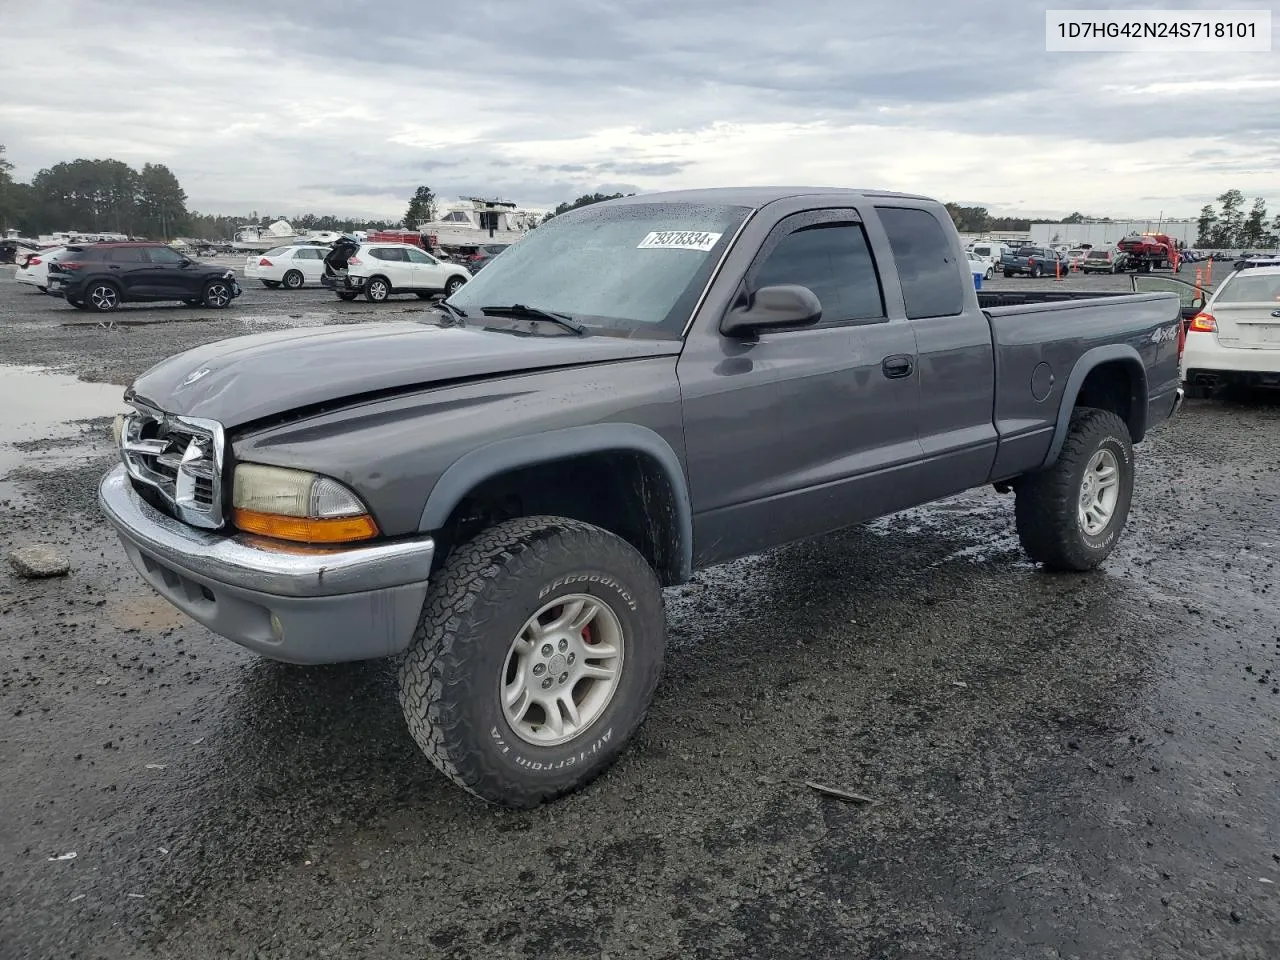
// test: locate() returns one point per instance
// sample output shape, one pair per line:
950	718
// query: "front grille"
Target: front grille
179	457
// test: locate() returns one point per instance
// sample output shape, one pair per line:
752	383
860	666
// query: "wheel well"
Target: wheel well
624	492
1117	387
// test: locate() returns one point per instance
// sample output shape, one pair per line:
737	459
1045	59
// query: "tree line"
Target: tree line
109	196
1228	226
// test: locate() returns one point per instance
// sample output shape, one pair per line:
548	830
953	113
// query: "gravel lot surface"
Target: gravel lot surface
1062	766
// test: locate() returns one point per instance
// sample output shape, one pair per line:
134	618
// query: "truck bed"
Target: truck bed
1046	341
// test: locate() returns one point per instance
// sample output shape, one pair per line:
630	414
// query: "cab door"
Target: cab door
428	272
802	431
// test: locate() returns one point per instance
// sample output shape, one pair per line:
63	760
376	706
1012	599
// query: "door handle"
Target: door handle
898	366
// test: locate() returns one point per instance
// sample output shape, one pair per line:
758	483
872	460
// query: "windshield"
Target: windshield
1027	251
277	252
623	265
1251	289
1098	255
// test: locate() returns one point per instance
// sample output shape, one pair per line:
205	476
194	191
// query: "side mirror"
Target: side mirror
186	261
782	307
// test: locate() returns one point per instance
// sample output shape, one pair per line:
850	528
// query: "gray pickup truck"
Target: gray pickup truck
498	490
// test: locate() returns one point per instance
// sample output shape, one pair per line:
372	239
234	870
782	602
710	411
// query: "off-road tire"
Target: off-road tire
450	678
293	280
377	283
1047	502
1035	272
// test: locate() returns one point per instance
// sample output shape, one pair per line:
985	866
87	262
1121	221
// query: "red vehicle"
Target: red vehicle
427	241
1149	251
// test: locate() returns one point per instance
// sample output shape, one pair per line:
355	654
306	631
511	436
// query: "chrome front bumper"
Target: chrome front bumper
302	605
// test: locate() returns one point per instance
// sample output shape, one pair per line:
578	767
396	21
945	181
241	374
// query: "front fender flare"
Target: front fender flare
495	458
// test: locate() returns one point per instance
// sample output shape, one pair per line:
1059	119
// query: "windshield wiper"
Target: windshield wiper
456	313
537	313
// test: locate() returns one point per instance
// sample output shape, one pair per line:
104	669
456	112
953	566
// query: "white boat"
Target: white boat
250	238
318	238
474	220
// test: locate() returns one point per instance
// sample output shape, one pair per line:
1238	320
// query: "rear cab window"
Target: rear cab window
931	278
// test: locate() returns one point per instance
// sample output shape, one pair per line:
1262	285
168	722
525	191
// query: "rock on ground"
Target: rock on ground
39	561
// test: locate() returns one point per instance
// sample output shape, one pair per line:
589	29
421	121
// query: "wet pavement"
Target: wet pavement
1062	766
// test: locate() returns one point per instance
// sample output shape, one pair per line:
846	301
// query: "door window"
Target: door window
834	261
125	255
417	256
927	268
163	255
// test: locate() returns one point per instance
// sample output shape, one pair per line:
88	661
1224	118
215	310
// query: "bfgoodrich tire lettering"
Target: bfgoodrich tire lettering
451	678
1048	502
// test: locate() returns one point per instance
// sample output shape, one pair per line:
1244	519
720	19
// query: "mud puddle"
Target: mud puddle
51	419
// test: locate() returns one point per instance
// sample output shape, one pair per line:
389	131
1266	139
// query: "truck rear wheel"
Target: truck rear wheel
536	657
1069	516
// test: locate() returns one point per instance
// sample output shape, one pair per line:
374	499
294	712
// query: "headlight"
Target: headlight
296	505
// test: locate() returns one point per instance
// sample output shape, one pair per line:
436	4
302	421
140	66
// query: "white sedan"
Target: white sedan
1235	338
981	267
288	267
34	269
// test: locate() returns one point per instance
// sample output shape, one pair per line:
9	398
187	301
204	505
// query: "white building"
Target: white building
1108	234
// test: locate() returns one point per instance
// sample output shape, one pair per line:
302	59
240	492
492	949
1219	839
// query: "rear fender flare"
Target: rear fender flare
489	461
1071	392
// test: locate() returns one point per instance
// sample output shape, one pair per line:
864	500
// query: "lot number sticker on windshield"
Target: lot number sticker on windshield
679	240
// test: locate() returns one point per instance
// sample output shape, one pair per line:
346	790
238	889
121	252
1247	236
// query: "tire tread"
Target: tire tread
1045	506
439	647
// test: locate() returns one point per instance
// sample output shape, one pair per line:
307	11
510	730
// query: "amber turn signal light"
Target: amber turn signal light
305	530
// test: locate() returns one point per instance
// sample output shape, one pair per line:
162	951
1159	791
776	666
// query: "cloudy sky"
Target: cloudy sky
345	106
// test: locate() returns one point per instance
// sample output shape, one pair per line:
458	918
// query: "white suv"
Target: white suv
379	270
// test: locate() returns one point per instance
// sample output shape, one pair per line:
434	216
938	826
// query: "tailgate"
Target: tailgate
1254	325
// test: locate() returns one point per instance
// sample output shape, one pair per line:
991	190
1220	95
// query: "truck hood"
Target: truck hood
242	379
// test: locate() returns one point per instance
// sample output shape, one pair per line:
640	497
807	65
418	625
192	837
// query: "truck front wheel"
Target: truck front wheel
536	658
1070	515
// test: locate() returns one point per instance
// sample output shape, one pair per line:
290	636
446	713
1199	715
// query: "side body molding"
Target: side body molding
495	458
1090	360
